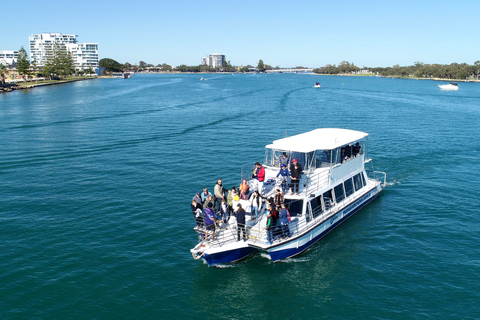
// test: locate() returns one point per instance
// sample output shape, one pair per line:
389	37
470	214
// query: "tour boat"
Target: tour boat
335	184
450	86
317	85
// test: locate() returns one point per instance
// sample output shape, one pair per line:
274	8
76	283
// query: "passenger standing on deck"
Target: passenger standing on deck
283	175
269	225
244	190
283	160
278	199
198	198
284	221
256	201
209	221
224	211
219	193
205	194
231	196
240	215
197	213
295	176
258	177
208	200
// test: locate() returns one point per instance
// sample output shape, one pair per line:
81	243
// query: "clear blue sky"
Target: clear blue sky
281	33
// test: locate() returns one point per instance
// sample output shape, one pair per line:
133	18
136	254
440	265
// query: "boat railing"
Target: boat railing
378	175
316	181
224	233
299	225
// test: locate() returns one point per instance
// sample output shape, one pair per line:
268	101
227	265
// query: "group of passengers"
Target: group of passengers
295	174
210	210
350	151
278	218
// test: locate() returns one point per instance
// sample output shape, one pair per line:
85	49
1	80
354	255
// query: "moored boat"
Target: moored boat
334	185
317	85
449	86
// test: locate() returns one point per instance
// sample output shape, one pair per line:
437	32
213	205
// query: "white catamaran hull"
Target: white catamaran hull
297	245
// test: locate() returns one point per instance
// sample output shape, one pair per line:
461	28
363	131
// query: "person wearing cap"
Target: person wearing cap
283	160
209	220
295	176
283	175
240	215
198	198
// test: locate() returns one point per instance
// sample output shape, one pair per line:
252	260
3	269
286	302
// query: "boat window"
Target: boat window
323	158
358	182
295	207
336	153
339	193
348	187
316	205
328	199
269	157
310	161
362	175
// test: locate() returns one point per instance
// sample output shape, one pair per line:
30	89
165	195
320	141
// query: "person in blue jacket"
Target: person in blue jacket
283	174
284	221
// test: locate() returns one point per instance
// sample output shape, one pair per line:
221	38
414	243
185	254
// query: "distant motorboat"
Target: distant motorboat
450	86
202	79
317	85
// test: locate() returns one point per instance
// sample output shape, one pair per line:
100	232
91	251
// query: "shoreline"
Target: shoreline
22	86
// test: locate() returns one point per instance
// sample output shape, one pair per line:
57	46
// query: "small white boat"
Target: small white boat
334	186
450	86
202	79
317	85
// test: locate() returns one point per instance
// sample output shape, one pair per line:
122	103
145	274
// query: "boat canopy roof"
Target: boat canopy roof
319	139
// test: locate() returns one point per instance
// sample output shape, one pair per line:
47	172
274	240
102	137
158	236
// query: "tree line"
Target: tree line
454	71
111	65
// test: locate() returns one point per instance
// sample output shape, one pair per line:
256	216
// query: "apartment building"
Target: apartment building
85	55
8	57
214	60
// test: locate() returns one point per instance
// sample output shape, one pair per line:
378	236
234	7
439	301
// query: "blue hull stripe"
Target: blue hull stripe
288	253
229	256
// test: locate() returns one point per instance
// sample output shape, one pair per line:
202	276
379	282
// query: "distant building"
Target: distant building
214	60
85	55
8	57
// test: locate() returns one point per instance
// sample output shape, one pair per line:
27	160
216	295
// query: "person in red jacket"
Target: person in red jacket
258	176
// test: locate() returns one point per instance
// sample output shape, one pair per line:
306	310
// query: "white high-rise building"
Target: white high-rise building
85	55
214	60
8	57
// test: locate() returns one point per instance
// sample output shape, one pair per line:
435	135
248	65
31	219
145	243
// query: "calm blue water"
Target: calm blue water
96	179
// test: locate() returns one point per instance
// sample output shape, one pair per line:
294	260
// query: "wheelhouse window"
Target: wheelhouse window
295	207
328	199
348	187
358	181
316	205
339	193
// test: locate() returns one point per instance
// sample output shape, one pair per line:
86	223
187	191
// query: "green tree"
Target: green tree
166	67
23	65
110	65
3	72
261	66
